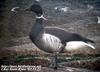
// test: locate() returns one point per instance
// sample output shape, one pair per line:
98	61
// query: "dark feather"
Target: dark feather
66	36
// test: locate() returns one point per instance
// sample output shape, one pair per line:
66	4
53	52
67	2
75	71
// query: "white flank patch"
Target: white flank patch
14	9
74	45
52	42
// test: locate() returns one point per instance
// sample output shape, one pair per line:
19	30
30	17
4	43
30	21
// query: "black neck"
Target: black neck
38	28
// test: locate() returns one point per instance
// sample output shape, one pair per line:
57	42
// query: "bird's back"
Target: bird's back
66	36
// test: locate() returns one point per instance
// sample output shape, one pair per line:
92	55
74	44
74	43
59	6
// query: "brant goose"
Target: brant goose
54	40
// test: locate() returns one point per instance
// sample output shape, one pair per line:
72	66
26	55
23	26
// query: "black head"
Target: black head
36	9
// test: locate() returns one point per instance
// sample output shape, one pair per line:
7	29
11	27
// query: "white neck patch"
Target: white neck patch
38	17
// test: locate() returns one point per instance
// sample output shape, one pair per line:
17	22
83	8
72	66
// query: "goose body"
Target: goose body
53	39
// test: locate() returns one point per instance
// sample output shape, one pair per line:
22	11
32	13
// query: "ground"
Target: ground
33	56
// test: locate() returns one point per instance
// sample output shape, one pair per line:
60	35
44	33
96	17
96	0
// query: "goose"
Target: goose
54	40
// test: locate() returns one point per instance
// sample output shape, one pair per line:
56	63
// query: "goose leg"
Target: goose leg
54	61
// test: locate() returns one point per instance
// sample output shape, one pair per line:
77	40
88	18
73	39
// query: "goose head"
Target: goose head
36	9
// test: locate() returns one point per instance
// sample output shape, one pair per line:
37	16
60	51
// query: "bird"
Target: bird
54	40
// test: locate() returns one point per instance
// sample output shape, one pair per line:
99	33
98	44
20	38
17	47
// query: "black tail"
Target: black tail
81	38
